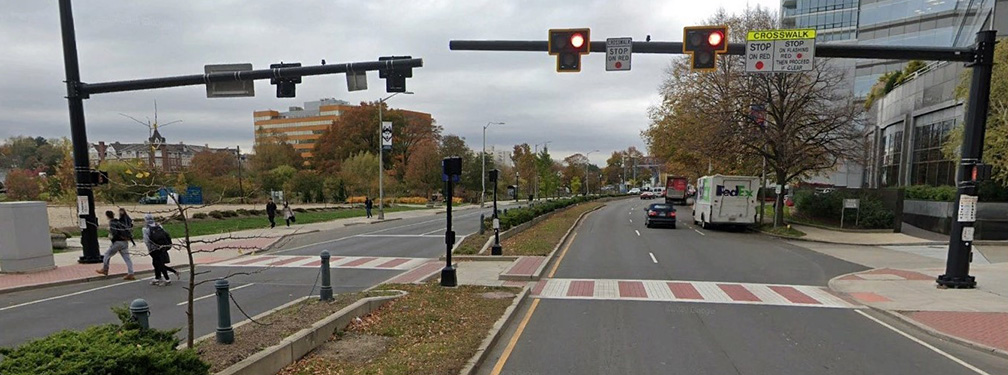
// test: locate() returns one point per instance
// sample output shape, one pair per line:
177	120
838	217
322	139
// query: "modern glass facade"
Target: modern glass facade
833	19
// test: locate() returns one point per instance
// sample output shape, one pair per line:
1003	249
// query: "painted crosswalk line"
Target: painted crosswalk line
689	291
308	261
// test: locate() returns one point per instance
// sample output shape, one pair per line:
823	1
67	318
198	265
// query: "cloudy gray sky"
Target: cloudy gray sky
119	40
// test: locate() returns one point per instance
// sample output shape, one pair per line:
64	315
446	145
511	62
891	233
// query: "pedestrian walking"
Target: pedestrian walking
158	243
271	212
119	236
123	217
288	214
368	203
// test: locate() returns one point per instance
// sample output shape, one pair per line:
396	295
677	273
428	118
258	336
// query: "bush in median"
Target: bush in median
106	349
828	206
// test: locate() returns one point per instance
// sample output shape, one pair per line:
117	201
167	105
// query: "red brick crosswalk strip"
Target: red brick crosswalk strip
252	260
290	260
738	293
358	262
794	295
633	289
684	291
581	288
393	263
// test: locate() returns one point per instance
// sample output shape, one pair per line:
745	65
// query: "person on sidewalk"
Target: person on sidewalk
271	212
288	214
158	243
368	203
123	217
119	235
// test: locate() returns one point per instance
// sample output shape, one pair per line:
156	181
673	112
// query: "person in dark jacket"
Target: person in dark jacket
271	212
368	203
119	235
158	253
123	217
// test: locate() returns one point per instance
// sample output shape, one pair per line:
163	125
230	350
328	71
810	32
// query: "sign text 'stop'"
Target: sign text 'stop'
781	34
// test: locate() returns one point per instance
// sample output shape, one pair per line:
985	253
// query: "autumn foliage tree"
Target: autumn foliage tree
22	185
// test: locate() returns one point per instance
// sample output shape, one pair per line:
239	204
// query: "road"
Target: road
633	329
35	313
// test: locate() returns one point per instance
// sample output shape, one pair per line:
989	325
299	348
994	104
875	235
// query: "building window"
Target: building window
930	166
892	151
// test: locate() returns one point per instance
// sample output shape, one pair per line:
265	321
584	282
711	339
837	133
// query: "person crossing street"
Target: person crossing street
158	244
119	234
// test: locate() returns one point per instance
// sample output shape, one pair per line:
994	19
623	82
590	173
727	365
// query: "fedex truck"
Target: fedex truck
726	200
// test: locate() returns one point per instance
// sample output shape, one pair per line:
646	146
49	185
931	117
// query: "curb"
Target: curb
293	347
472	366
846	230
923	328
384	220
483	258
245	321
925	243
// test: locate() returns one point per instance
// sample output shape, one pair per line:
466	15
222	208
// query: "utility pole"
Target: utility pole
78	136
483	156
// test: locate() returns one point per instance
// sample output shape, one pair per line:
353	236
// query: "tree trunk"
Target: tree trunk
190	334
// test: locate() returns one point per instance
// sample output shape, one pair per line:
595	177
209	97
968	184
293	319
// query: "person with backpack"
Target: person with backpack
271	212
158	243
123	217
119	236
288	214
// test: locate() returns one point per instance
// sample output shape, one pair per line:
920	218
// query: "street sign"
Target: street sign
229	89
851	203
386	134
780	51
967	208
618	51
356	81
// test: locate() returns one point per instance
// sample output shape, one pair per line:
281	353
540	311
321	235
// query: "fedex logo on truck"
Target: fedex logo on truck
738	191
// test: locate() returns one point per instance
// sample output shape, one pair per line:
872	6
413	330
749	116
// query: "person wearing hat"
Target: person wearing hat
158	243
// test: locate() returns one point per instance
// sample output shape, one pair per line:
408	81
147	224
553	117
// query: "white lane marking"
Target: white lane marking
638	232
653	258
398	235
631	221
213	294
71	294
701	233
924	344
434	231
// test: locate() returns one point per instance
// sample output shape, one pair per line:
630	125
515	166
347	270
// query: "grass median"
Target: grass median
541	238
199	227
431	330
782	230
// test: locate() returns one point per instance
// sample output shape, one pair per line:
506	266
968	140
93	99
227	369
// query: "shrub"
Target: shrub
930	193
106	349
299	210
991	191
199	215
242	211
828	207
257	212
216	214
229	213
412	200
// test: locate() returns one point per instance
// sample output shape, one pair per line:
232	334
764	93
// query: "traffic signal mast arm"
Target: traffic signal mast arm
86	89
964	54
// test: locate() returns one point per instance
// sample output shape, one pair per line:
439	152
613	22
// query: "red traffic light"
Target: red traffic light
715	38
577	40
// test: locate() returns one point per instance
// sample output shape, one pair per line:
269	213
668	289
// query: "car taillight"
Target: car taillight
671	214
652	213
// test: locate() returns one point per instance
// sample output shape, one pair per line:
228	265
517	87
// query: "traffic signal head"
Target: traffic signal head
99	177
568	45
286	86
703	43
395	77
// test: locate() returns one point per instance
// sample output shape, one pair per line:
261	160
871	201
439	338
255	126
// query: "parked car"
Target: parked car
634	191
660	214
646	195
153	199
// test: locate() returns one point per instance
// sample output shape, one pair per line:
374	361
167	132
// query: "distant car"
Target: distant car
646	195
634	191
659	192
155	199
660	214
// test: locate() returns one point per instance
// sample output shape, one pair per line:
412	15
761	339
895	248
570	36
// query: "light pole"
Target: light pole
381	156
483	171
587	162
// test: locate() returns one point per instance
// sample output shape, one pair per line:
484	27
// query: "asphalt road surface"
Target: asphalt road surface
615	335
35	313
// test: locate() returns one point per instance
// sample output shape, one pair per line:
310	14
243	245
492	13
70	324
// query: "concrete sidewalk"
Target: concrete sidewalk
206	249
901	283
862	238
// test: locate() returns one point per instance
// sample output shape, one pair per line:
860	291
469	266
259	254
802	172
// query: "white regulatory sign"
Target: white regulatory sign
780	51
967	234
967	208
851	203
82	206
618	51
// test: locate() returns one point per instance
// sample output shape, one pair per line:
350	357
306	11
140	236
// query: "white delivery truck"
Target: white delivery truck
725	200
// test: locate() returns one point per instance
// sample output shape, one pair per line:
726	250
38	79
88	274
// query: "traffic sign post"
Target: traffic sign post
780	51
618	52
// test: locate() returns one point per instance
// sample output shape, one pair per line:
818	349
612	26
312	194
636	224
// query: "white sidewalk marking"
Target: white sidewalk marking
924	344
213	294
653	258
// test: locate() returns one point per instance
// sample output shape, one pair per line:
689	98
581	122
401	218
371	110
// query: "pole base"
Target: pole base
89	259
225	335
496	250
448	277
325	294
957	282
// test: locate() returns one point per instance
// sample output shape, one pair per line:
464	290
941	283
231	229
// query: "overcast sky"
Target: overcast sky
119	40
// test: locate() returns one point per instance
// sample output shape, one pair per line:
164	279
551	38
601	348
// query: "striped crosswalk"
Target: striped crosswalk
306	261
689	291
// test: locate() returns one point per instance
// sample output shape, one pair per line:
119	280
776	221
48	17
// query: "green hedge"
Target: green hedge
989	191
518	216
121	349
826	207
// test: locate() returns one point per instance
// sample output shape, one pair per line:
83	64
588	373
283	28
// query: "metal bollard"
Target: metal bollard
225	334
482	223
141	312
325	294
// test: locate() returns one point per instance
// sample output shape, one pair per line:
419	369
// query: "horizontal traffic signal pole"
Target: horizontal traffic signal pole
964	54
86	89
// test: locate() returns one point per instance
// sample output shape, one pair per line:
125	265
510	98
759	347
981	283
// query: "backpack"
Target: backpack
159	236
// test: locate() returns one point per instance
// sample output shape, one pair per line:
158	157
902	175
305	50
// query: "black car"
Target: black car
660	214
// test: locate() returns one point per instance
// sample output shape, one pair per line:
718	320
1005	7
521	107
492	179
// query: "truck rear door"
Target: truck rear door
735	200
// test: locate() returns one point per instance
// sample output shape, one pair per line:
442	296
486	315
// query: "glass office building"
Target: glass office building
834	20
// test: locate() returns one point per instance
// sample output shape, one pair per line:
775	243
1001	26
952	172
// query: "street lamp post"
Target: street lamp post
587	162
483	171
496	249
381	157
